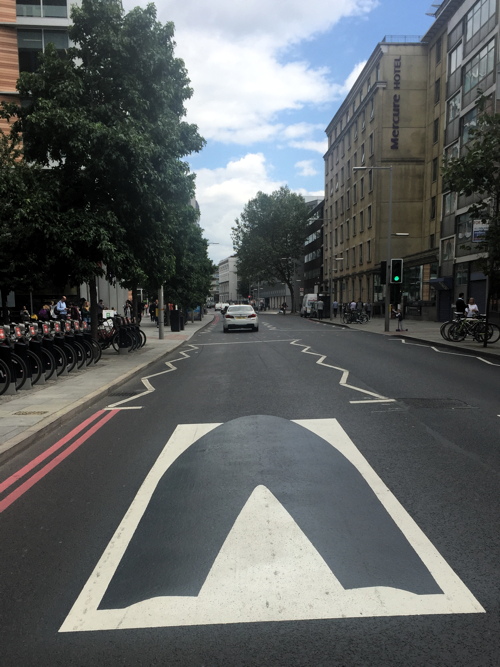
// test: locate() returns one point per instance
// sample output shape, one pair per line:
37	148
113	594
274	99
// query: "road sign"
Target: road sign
295	526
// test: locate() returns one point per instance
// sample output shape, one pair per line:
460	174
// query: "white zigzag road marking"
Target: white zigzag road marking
378	398
436	349
149	387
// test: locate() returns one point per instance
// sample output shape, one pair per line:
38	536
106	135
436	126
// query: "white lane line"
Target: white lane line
149	387
404	341
345	374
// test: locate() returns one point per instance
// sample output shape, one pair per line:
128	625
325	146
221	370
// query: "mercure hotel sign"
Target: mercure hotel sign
395	104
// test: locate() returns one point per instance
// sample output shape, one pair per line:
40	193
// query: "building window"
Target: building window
479	67
32	42
455	59
478	16
372	109
453	108
348	199
355	193
370	180
371	144
433	208
342	233
360	254
438	51
368	251
347	230
336	236
47	8
452	151
449	203
362	154
468	122
434	169
435	131
354	256
362	188
361	221
437	91
369	214
354	225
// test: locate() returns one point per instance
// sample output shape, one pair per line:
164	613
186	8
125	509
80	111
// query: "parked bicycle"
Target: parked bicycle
354	317
462	327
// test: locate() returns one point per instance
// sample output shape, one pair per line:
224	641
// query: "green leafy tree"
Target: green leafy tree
26	206
107	119
476	174
269	236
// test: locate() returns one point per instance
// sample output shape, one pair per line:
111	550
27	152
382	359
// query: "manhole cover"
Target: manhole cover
33	412
435	403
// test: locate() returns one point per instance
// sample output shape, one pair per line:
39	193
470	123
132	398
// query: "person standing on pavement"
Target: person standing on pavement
472	309
319	307
460	305
61	310
368	309
335	308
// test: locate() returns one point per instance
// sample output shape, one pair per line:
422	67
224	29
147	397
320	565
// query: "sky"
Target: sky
268	76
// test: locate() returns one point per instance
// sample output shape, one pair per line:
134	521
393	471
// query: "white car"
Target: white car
240	317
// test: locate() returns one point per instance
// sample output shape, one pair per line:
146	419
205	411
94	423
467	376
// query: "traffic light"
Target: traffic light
396	271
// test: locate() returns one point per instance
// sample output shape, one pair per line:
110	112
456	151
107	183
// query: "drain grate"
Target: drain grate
435	403
125	394
32	412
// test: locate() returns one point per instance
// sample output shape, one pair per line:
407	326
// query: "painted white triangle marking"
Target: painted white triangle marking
267	569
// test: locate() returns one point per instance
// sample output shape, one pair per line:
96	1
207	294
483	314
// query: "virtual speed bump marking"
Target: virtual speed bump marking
222	533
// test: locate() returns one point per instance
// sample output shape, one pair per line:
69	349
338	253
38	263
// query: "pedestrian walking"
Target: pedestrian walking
284	306
319	307
335	308
368	309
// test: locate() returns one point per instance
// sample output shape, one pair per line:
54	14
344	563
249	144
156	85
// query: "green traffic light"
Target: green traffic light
396	279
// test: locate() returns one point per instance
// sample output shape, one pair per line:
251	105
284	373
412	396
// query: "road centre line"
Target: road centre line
345	375
31	481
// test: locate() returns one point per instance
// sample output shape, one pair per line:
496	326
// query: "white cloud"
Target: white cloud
236	57
222	194
306	168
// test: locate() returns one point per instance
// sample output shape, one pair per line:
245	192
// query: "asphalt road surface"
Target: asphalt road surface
302	495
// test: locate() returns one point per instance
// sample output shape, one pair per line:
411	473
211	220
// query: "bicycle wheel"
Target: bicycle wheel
70	356
143	338
36	366
89	352
444	330
346	318
490	332
81	356
61	359
48	362
456	332
20	370
128	341
97	349
5	379
363	318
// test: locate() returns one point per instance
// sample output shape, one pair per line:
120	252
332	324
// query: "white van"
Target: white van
308	305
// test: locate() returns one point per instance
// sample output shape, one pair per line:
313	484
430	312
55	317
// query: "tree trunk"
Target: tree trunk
5	310
93	306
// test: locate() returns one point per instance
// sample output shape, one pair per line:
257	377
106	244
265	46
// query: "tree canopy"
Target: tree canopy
106	118
269	236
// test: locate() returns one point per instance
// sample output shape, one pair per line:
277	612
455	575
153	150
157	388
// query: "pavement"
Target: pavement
47	406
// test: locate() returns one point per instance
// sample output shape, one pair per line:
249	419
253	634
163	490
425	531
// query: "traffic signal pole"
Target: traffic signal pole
388	273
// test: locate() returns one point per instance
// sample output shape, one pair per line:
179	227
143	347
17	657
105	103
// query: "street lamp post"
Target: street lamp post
389	237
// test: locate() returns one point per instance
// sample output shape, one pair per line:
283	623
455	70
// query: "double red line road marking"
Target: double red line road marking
100	418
